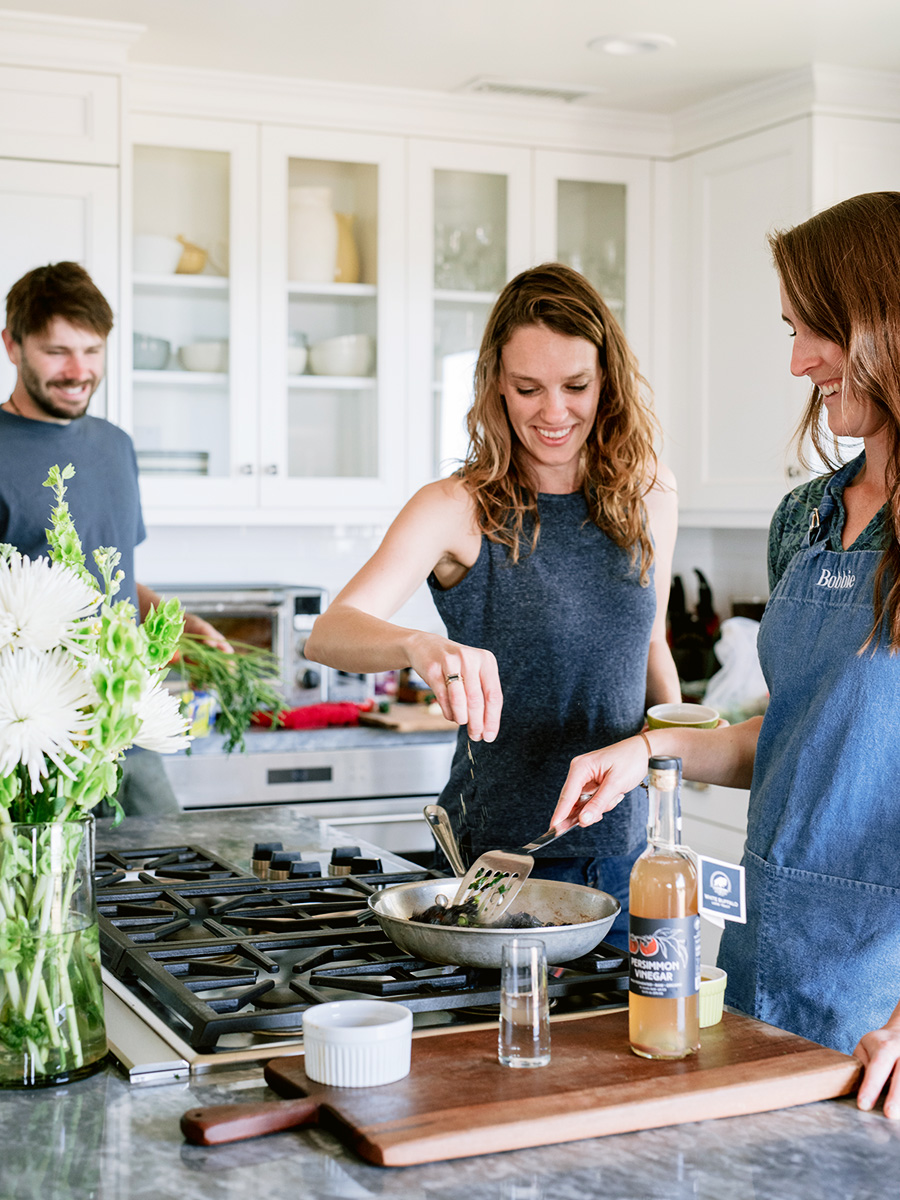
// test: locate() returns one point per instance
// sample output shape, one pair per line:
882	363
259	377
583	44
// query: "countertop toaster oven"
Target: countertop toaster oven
275	617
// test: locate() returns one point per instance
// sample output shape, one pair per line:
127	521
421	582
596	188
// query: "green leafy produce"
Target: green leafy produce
243	683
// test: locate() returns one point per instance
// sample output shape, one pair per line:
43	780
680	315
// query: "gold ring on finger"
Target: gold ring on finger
454	679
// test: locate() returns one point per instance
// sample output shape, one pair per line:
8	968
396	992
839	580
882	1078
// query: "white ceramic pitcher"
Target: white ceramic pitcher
312	235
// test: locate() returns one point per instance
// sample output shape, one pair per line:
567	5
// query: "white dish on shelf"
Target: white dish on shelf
297	357
351	354
205	356
155	254
149	353
173	462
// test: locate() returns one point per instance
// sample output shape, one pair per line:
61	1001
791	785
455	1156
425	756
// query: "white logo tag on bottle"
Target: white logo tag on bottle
721	892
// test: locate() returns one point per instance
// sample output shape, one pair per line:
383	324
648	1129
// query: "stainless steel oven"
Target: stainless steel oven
278	618
375	792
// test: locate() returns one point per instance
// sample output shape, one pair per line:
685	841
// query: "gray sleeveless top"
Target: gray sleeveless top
570	627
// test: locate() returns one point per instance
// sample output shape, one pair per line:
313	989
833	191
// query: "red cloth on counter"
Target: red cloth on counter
313	716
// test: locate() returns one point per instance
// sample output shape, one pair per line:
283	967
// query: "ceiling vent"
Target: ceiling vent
529	90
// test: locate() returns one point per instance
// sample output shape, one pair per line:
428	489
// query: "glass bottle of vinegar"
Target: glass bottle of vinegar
664	929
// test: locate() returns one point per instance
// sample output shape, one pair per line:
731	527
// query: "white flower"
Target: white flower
163	728
41	701
40	601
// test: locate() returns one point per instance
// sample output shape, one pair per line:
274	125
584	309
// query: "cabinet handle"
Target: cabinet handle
246	468
793	471
272	469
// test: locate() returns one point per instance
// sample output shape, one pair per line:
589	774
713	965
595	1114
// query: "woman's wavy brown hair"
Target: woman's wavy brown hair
618	458
841	273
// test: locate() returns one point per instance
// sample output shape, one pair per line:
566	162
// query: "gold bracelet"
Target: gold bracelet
647	744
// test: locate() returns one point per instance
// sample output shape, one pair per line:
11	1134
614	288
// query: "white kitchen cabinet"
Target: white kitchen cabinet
479	214
851	156
59	116
593	212
470	230
737	405
333	443
256	439
55	212
194	430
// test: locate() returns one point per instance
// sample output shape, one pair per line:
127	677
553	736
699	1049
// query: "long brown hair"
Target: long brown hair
619	461
840	272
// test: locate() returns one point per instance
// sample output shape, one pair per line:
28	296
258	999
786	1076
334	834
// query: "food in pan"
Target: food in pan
467	914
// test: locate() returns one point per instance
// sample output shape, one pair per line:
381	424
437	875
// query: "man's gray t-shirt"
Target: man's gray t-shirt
103	495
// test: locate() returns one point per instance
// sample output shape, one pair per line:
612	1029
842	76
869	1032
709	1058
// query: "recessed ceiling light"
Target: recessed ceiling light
624	44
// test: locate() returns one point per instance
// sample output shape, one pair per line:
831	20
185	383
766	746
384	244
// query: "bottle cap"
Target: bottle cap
664	762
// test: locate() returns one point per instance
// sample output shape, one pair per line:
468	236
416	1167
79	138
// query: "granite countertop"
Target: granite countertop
105	1139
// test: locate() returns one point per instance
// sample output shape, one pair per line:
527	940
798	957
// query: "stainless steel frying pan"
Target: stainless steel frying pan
583	917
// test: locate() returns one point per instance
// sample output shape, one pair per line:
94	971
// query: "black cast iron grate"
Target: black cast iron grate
227	956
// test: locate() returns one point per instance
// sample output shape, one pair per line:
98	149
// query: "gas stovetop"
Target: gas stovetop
220	964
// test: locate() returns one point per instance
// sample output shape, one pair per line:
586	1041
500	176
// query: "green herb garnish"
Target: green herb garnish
243	683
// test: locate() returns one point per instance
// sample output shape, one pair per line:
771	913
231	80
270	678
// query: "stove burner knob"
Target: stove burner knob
342	859
304	870
310	679
280	866
261	858
366	866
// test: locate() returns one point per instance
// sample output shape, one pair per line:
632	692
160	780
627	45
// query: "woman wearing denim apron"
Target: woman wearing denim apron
820	952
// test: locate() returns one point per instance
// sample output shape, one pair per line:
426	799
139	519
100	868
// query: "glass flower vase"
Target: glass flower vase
52	1027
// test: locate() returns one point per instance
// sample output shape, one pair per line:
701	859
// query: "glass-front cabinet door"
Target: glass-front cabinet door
190	355
470	232
592	212
333	436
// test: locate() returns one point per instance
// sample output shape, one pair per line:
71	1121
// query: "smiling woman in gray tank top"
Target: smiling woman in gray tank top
548	554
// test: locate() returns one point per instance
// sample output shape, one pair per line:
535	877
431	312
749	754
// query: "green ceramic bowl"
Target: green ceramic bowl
693	716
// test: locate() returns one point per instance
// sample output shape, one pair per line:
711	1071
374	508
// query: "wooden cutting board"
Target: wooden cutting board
458	1101
409	718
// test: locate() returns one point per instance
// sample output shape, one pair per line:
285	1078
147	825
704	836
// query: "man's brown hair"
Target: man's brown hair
61	289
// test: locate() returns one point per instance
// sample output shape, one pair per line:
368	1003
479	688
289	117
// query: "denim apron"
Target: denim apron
820	953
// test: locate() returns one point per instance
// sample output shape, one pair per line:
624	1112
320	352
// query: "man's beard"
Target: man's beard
39	395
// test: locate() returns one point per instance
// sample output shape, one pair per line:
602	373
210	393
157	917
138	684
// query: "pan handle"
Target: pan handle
234	1122
439	820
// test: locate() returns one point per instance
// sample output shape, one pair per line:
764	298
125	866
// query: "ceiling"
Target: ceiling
426	44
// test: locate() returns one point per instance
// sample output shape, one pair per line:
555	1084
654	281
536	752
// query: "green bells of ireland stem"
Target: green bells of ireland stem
80	682
53	1028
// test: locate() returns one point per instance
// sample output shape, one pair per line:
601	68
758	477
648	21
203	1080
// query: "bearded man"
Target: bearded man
57	323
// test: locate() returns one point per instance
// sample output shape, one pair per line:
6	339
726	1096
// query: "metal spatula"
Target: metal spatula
496	877
493	881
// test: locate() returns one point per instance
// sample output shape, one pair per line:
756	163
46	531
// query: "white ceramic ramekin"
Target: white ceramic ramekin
357	1043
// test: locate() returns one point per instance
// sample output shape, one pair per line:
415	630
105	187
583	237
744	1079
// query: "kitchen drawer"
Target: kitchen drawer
714	841
720	805
60	116
713	823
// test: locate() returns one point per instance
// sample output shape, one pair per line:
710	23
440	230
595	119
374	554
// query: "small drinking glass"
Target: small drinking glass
524	1039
